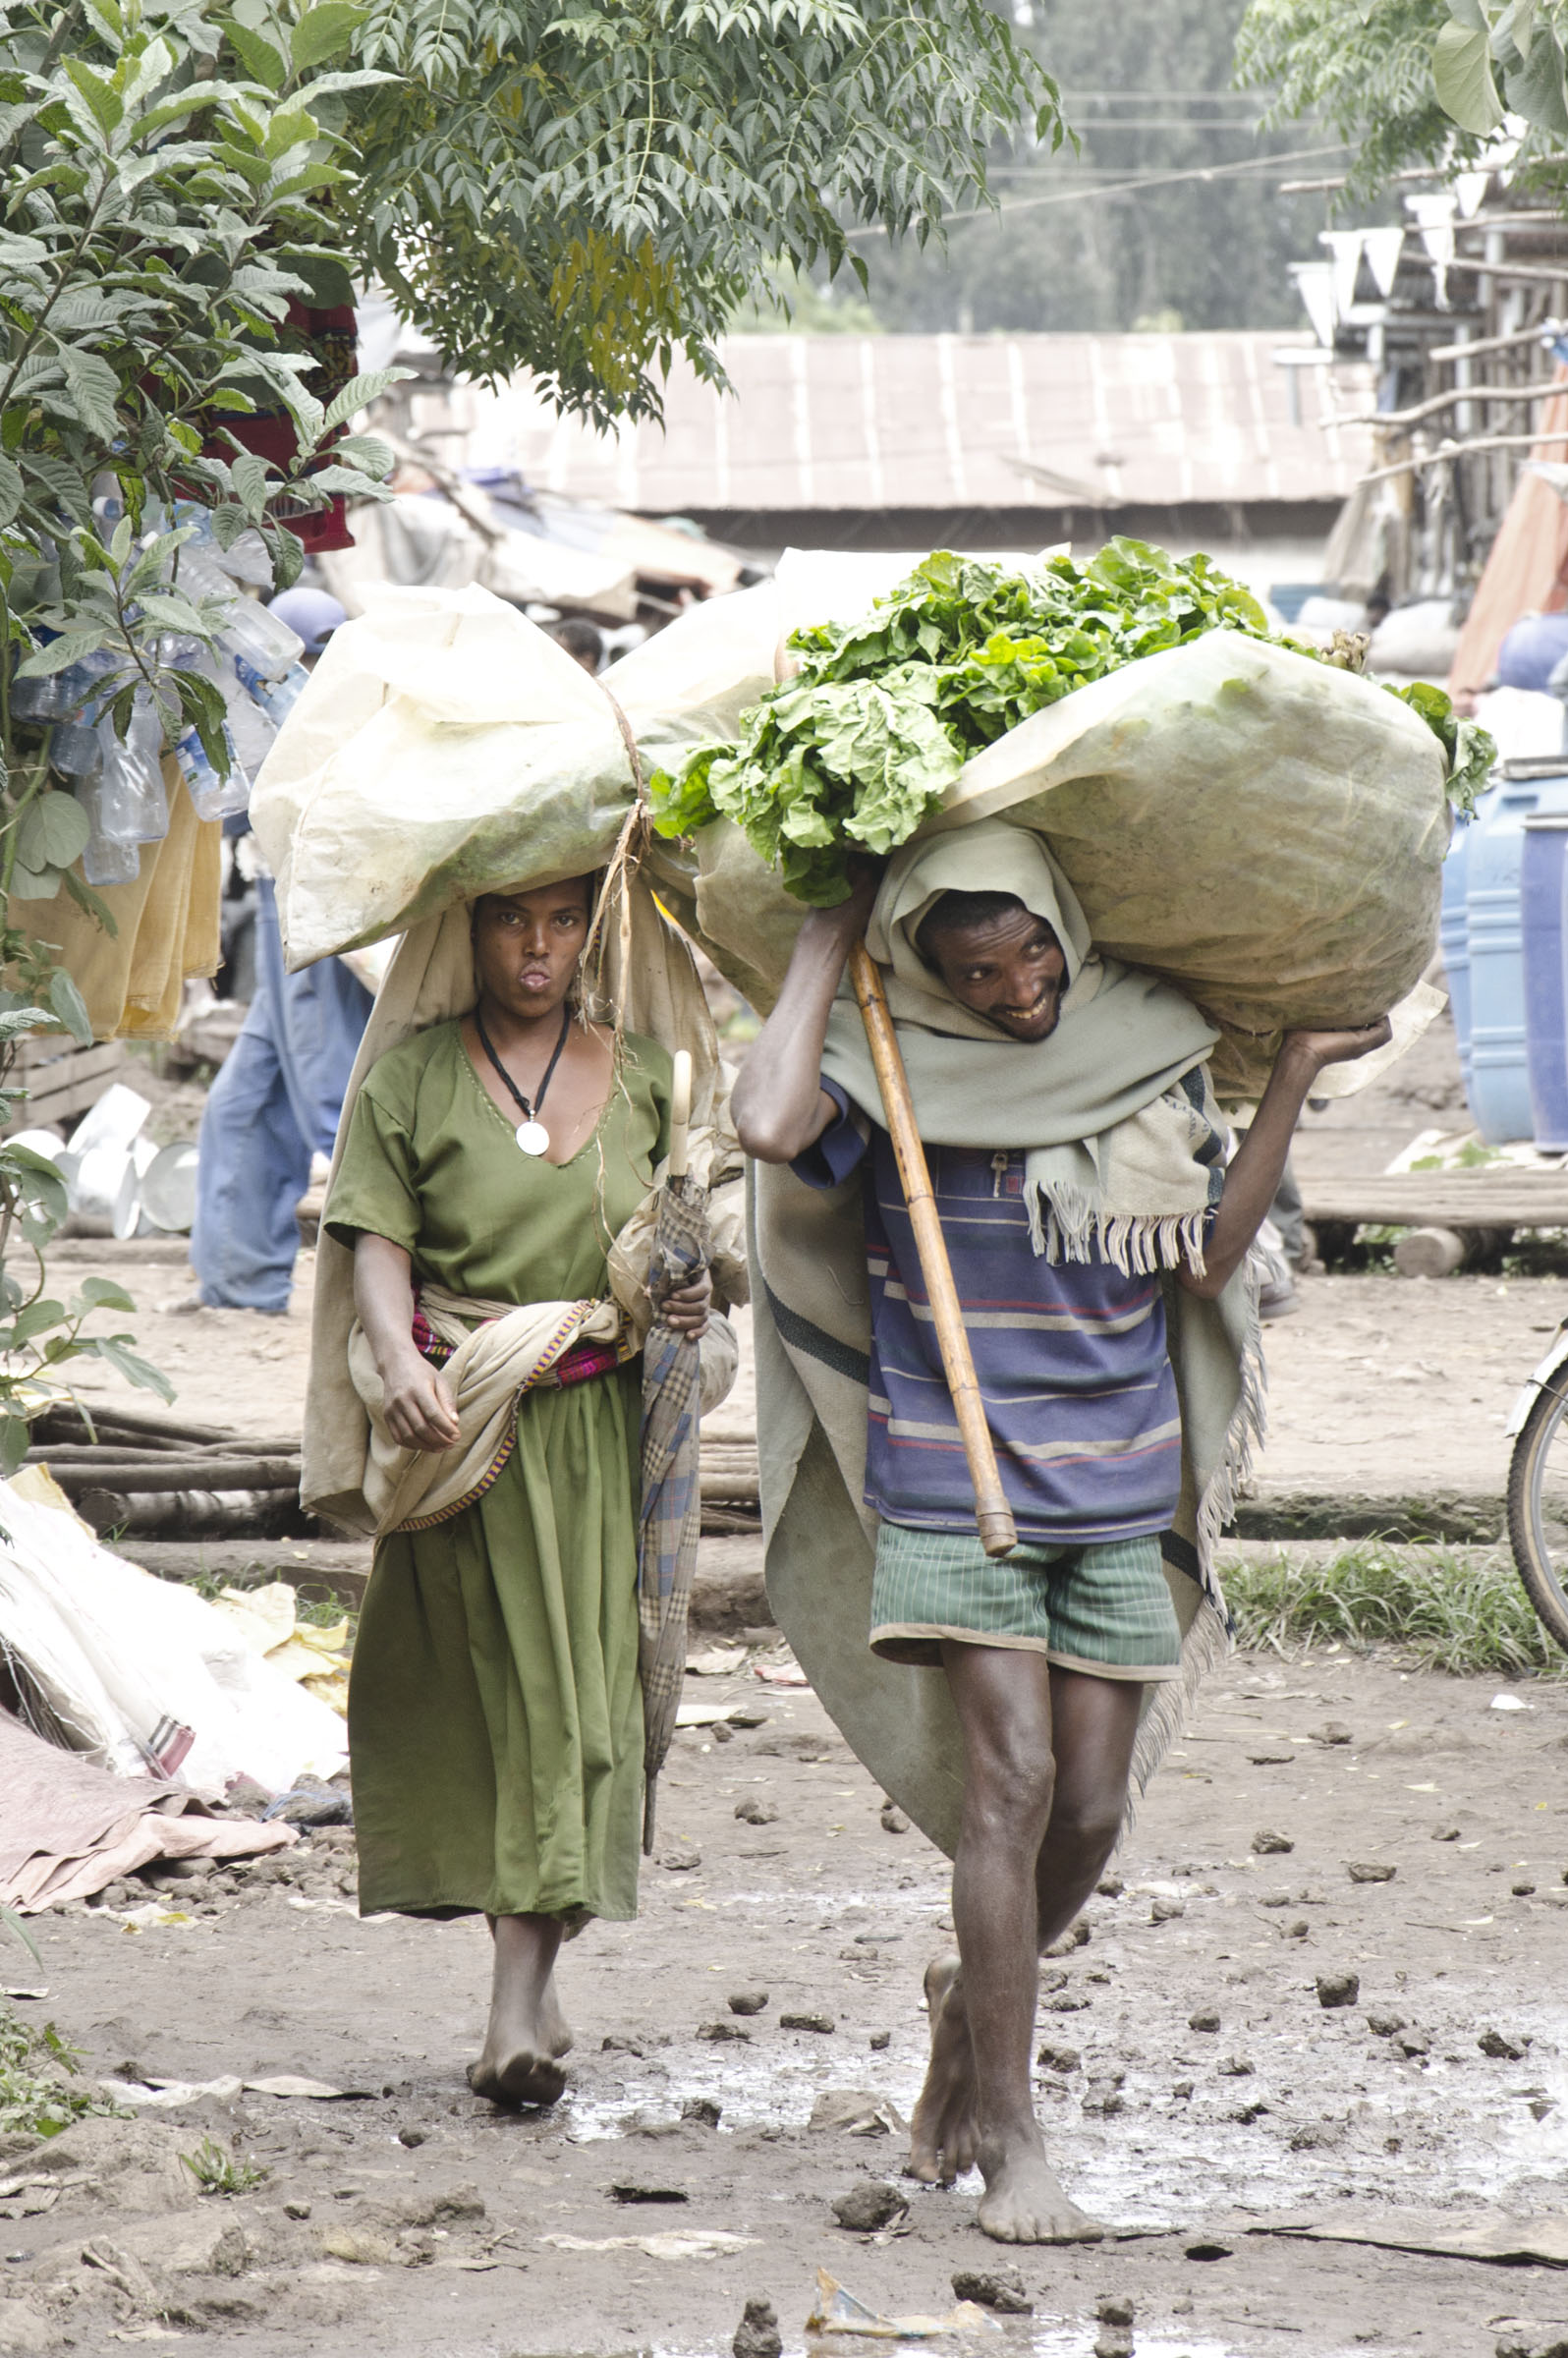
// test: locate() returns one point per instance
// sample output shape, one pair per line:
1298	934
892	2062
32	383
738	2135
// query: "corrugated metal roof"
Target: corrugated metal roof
953	422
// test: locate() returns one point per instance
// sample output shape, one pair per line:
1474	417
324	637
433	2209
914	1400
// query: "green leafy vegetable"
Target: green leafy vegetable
1470	752
855	748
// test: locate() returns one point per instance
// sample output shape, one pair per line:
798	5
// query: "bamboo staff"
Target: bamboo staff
680	1113
997	1530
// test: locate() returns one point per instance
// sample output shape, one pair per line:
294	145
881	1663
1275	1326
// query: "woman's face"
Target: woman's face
527	946
1010	968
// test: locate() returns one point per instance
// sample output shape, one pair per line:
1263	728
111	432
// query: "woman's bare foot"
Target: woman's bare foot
527	2032
944	2135
1025	2201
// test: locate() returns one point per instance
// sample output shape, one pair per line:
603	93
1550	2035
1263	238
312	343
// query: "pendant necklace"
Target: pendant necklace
531	1135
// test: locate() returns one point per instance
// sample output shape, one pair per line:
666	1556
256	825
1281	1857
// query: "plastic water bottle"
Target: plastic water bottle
277	698
104	861
253	730
74	748
131	804
213	797
248	630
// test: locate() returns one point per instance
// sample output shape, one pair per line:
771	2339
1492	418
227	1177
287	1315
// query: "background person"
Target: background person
272	1113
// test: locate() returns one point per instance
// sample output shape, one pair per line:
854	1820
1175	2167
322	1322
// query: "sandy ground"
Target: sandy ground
410	2219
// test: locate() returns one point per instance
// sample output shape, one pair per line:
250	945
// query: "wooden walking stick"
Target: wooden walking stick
998	1530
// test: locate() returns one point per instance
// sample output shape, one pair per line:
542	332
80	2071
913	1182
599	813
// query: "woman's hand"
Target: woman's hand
417	1407
1317	1049
685	1311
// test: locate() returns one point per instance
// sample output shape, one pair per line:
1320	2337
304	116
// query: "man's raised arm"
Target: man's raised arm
779	1106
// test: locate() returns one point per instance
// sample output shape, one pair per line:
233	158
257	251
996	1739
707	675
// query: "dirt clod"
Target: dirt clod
703	2111
1235	2067
747	2002
1333	1731
720	2030
296	2210
870	2206
1338	1989
1384	2026
894	1821
1166	1911
1113	2341
1114	2308
1058	2059
1499	2044
1206	2019
1371	1871
879	2040
999	2288
807	2022
1268	1844
754	1811
758	2334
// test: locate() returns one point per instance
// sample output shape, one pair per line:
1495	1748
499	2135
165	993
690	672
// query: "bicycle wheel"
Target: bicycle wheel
1538	1506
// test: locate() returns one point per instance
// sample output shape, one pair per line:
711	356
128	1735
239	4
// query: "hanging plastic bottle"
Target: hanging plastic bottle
41	700
252	730
104	861
277	698
74	748
248	631
131	804
213	797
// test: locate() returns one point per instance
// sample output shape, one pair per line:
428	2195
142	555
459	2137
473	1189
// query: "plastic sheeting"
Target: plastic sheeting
110	1662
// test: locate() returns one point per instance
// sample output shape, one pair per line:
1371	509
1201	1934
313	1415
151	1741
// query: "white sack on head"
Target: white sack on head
444	745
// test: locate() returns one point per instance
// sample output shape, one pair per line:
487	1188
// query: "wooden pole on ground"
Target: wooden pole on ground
997	1530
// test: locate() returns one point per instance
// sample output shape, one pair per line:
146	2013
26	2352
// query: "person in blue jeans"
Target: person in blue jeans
276	1102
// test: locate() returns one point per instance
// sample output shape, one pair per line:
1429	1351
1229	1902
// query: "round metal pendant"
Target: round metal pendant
534	1138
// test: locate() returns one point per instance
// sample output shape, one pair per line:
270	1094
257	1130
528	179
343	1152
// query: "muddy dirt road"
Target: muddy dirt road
411	2219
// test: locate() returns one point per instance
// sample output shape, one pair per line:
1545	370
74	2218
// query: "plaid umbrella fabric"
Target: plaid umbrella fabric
671	1505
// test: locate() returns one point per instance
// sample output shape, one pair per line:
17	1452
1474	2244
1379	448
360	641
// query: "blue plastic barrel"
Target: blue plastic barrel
1453	932
1542	871
1499	1073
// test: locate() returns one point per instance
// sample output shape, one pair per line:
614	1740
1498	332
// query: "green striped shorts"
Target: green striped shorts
1104	1608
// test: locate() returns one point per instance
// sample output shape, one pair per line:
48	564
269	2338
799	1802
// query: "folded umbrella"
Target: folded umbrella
671	1503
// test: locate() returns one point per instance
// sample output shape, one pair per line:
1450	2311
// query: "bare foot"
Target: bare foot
944	2135
522	2077
519	2064
1025	2201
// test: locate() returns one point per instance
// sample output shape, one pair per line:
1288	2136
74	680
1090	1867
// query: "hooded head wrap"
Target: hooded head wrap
1125	1147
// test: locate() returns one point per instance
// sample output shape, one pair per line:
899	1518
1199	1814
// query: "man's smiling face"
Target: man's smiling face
1009	967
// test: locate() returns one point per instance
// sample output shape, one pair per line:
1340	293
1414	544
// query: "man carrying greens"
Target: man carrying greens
1079	1165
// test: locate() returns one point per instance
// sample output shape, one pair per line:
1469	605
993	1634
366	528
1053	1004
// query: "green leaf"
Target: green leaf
36	1318
34	883
101	1293
322	31
15	1022
14	1441
1461	73
94	390
35	1179
260	55
115	1350
64	996
59	655
54	832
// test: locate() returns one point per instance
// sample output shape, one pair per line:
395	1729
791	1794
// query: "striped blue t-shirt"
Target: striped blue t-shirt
1070	1356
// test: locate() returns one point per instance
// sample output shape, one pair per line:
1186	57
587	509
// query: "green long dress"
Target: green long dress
495	1720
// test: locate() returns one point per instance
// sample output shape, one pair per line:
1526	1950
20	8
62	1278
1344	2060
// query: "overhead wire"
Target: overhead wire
1117	187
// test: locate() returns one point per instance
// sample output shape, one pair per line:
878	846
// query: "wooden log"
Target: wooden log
994	1517
1428	1253
127	1475
191	1514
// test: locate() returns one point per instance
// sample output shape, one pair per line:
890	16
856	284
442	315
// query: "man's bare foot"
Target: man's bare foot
944	2135
1025	2201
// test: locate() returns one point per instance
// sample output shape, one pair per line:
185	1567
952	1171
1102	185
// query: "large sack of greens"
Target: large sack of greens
446	745
1254	821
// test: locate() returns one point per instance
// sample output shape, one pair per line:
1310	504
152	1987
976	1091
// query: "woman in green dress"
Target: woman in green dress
496	1719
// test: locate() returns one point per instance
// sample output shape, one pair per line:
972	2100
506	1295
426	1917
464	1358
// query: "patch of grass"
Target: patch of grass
1461	1609
36	2073
218	2172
